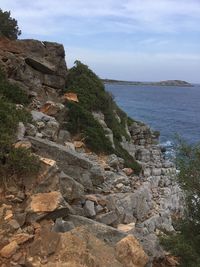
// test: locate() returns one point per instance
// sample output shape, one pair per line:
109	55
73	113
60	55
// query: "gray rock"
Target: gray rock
104	232
69	188
31	130
71	162
63	136
156	172
89	209
62	226
97	175
109	218
20	131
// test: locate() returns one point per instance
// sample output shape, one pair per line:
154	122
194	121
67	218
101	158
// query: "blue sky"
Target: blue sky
140	40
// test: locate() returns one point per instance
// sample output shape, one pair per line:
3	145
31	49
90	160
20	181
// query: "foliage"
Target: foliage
8	25
93	97
82	121
21	162
185	244
13	161
11	92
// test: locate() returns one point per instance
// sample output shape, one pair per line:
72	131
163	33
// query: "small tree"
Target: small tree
8	26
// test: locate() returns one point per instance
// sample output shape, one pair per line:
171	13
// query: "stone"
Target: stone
156	172
46	202
109	218
20	131
63	137
126	227
21	238
113	161
23	144
106	233
99	209
62	226
69	188
34	65
71	162
14	224
97	175
71	97
70	146
128	171
8	250
143	155
130	253
50	108
89	209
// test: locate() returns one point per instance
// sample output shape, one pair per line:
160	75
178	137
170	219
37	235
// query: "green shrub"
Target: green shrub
21	162
82	122
16	162
8	25
12	93
93	97
186	242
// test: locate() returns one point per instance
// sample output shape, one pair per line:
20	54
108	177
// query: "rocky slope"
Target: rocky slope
82	209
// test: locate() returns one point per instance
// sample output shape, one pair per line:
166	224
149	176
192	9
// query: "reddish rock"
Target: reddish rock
45	202
8	250
130	253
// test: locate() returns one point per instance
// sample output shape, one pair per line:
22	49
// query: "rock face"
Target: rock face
82	209
36	66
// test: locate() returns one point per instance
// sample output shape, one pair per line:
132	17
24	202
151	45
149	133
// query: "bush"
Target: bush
8	25
185	244
16	162
21	162
93	97
82	122
12	93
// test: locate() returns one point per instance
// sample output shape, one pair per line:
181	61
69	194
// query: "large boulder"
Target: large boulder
130	253
73	164
36	66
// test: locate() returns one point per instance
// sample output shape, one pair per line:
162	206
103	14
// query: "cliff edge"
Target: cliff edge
92	202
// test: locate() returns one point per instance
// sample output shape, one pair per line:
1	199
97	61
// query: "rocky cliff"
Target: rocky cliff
82	208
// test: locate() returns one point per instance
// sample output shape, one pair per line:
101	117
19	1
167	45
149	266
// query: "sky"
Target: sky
135	40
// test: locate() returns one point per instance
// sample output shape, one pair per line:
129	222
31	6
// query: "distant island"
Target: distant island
161	83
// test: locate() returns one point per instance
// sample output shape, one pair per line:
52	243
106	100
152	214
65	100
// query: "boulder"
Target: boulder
69	188
45	202
35	65
109	218
71	162
130	253
103	232
8	250
89	209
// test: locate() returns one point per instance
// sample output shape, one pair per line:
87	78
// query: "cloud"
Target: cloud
126	39
113	15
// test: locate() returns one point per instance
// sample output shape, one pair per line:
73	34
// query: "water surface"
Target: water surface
171	110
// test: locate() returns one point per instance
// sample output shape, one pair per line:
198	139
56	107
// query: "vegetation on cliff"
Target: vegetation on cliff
13	161
8	25
185	242
93	98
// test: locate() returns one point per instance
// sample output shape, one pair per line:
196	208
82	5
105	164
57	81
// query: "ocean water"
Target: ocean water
170	110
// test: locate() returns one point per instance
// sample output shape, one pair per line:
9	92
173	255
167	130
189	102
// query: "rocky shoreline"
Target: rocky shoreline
82	209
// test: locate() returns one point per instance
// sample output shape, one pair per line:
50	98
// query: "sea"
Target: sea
172	110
